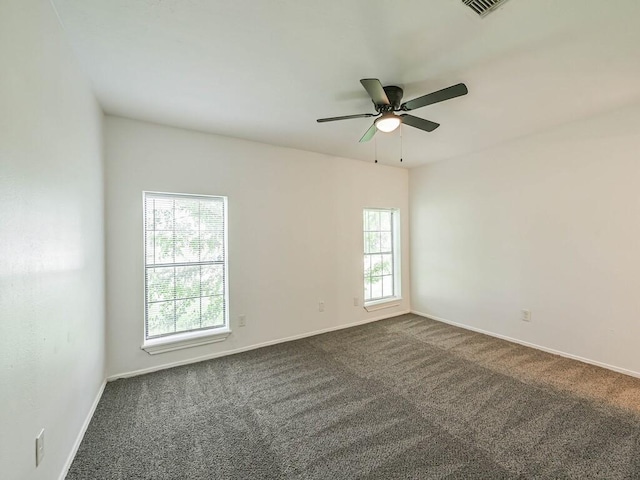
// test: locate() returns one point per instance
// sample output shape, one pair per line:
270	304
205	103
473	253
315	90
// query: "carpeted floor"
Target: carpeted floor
403	398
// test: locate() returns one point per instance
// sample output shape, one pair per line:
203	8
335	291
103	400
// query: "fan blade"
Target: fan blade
435	97
375	91
420	123
368	135
346	117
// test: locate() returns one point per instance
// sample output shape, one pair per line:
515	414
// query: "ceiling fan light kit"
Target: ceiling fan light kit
388	122
386	101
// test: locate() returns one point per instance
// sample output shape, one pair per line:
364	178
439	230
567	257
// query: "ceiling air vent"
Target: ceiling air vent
483	7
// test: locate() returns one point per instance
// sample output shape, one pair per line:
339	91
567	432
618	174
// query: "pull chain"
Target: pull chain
375	141
400	143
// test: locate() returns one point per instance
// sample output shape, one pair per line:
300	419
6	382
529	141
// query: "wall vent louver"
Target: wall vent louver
483	7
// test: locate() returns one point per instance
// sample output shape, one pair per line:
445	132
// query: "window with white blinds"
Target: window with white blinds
381	254
185	263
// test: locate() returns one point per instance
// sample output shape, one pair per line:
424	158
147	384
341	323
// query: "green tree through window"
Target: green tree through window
380	254
185	263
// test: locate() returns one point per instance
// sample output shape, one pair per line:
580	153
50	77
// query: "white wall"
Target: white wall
51	243
550	223
295	237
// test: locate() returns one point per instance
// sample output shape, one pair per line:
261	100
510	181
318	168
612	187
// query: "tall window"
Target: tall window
185	264
381	254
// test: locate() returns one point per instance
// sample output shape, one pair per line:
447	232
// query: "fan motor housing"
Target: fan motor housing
394	94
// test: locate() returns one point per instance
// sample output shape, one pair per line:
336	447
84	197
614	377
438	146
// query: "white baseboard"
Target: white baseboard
532	345
83	429
251	347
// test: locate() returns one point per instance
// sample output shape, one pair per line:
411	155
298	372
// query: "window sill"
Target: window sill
185	340
384	303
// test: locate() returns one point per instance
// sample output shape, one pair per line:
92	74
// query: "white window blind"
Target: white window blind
381	257
185	263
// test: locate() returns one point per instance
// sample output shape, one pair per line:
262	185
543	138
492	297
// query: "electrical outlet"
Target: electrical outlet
356	301
242	320
321	306
40	447
525	315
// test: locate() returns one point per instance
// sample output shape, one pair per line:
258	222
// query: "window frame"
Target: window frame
189	338
394	299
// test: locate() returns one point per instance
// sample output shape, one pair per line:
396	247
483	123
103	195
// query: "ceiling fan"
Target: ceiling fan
387	102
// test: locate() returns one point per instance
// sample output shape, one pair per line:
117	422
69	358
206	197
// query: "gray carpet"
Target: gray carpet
406	398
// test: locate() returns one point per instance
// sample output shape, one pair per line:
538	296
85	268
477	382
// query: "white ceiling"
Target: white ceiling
265	70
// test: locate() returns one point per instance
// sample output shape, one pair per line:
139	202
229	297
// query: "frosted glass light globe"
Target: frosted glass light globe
387	122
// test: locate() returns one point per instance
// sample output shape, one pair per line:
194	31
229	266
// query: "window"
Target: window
381	255
185	270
